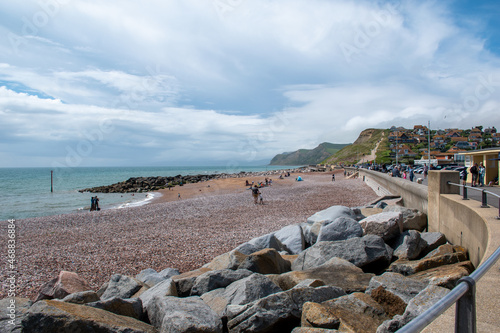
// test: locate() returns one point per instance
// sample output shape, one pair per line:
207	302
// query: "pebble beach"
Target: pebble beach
209	219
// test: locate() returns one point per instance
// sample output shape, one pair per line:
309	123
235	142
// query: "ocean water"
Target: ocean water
25	192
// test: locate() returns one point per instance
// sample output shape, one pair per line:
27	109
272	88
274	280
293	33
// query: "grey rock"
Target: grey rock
399	285
409	245
330	214
12	312
292	237
413	219
367	250
49	316
278	312
433	240
267	261
121	286
418	305
150	277
261	243
169	272
190	314
380	204
217	279
82	297
387	225
129	307
341	228
164	288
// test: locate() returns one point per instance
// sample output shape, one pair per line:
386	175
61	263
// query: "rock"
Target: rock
413	219
267	261
102	289
409	267
330	214
81	297
319	316
418	305
445	276
433	240
64	284
309	283
217	279
240	292
185	281
190	314
121	286
341	228
167	273
357	312
150	277
292	237
392	304
12	312
387	225
280	311
409	245
129	307
446	249
164	288
369	211
311	330
398	285
48	316
335	272
365	252
261	243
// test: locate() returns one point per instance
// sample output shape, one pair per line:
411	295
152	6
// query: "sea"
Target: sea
26	192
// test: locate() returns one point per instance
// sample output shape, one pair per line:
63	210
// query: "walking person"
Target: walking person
426	171
96	200
255	194
482	172
463	176
333	177
412	174
475	174
92	204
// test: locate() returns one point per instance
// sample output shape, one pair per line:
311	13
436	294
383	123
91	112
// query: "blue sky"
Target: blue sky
225	82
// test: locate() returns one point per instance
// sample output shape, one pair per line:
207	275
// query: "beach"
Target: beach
209	218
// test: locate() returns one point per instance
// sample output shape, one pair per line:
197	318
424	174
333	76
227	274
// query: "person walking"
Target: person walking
482	172
426	171
475	174
333	177
255	194
92	204
411	173
96	200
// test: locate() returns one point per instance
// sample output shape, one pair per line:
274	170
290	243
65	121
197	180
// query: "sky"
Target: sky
235	82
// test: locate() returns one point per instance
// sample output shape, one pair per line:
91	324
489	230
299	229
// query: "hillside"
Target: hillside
363	146
307	156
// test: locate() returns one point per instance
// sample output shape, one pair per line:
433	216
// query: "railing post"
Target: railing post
465	193
484	200
465	311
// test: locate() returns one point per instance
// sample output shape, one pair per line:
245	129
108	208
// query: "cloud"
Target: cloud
224	80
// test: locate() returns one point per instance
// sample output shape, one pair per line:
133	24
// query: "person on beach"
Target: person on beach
178	196
333	177
255	194
92	204
261	199
96	200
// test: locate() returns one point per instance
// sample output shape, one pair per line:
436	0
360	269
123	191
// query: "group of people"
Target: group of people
477	172
408	173
94	203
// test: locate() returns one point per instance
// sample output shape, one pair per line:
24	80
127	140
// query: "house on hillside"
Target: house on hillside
495	138
475	137
438	141
453	133
491	130
420	130
401	137
463	145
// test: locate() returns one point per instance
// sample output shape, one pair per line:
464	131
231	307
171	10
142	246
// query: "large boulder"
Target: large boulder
82	297
357	312
318	316
150	277
12	312
167	273
217	279
335	272
261	243
432	260
409	245
279	312
190	314
292	237
413	219
418	305
164	288
267	261
240	292
185	281
315	222
129	307
121	286
365	252
341	228
49	316
228	260
387	225
433	240
64	284
445	276
395	286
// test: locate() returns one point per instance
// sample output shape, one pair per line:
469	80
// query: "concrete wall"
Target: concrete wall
414	195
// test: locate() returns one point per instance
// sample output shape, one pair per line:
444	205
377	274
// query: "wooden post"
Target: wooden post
51	181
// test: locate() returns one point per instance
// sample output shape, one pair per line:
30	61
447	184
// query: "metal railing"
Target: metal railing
464	294
484	195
